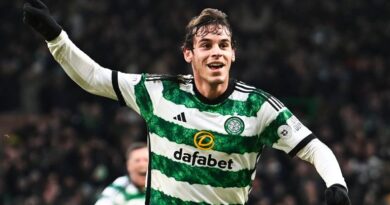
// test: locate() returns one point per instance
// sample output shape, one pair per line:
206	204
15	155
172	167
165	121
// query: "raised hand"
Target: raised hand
37	15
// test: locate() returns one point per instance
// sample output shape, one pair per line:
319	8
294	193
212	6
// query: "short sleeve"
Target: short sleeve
282	130
125	87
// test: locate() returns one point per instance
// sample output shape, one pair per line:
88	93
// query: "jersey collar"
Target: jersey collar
217	100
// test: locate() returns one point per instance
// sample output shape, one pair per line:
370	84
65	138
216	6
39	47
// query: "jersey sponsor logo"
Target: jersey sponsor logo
234	125
284	131
197	159
204	140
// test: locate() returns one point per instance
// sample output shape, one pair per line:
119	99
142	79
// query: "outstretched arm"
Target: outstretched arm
323	159
80	67
291	136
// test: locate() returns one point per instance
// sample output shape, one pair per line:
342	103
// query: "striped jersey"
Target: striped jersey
202	151
121	192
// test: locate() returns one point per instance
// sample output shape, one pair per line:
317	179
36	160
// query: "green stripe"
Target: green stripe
135	196
128	196
201	175
270	134
160	198
181	135
249	108
143	99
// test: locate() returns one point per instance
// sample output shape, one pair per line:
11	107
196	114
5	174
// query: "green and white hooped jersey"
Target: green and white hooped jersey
205	152
121	192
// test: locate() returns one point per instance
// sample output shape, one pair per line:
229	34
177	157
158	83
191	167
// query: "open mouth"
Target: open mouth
215	66
142	173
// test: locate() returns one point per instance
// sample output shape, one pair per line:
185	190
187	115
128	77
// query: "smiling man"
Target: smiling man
209	49
206	130
129	189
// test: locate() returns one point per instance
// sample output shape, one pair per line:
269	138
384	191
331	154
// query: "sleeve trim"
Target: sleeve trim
301	144
115	85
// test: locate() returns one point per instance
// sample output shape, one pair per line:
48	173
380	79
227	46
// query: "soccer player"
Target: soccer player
206	130
129	189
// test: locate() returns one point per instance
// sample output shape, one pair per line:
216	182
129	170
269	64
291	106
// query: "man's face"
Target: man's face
212	55
137	166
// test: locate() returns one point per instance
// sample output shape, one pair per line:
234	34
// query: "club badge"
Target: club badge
234	126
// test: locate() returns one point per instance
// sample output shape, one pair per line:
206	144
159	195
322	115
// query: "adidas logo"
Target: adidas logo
180	117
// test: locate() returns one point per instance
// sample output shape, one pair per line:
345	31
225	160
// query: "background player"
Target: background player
129	189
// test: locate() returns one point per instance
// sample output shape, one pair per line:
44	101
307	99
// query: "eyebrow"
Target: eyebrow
208	40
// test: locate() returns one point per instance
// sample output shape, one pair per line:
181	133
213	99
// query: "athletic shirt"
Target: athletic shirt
121	192
201	151
205	151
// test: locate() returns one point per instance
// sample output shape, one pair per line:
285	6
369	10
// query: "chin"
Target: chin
217	81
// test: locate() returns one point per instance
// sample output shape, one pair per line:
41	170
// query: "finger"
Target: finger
27	8
329	196
37	4
28	17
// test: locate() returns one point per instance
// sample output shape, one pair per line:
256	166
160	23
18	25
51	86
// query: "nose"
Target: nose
216	51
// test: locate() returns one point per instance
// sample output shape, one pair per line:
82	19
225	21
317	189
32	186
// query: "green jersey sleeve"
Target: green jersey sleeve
280	128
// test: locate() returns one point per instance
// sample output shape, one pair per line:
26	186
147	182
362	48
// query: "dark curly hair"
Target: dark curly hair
210	21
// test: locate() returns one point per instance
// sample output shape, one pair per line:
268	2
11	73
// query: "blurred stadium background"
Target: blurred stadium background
328	61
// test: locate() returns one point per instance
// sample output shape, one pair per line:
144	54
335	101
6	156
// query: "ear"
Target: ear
187	53
234	55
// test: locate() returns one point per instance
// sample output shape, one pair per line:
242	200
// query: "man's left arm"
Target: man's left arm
285	132
323	159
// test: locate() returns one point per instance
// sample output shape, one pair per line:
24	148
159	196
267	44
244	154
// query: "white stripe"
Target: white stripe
136	202
244	89
201	120
166	148
110	192
277	101
239	96
274	103
127	82
121	181
186	78
187	88
241	84
197	192
155	89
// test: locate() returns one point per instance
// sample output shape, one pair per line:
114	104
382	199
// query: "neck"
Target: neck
211	91
137	181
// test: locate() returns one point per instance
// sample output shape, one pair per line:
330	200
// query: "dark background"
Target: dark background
328	61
